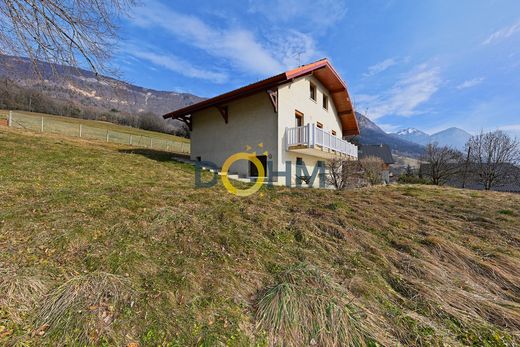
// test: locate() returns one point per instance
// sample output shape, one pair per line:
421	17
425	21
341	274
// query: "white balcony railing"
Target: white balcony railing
311	136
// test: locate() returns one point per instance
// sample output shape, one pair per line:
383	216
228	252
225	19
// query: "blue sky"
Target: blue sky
428	64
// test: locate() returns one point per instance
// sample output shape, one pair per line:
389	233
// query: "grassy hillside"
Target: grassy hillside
73	123
103	246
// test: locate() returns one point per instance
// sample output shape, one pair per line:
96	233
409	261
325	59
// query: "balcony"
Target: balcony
311	140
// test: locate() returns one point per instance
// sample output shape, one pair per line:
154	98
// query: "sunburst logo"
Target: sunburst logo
251	156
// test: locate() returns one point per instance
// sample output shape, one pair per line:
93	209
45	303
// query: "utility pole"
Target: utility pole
466	165
299	55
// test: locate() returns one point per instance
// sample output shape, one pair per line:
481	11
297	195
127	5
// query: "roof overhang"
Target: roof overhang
322	70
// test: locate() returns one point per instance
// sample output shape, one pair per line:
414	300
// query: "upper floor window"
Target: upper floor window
319	125
333	133
325	102
312	91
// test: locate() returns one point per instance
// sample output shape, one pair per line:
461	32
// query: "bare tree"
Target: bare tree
372	169
67	32
342	173
494	156
442	163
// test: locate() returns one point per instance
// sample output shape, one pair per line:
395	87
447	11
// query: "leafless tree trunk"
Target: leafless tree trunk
466	166
66	32
494	156
443	163
335	175
342	173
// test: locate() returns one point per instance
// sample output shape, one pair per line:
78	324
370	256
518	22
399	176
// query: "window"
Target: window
312	91
325	102
333	132
319	125
299	118
299	161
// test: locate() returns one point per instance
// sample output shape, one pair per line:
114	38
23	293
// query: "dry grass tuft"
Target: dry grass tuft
306	307
20	292
83	309
425	266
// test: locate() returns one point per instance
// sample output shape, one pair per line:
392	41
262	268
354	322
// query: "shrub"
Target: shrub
405	179
372	169
305	307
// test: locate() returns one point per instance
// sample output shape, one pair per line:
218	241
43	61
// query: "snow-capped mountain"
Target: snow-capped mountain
372	134
453	137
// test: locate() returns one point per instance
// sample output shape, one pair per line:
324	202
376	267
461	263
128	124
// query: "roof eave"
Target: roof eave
230	96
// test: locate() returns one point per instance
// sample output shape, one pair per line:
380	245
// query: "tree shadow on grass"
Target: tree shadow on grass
153	154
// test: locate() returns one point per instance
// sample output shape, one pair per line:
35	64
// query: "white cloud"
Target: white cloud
292	48
235	45
503	33
380	67
316	14
389	128
470	83
412	90
178	65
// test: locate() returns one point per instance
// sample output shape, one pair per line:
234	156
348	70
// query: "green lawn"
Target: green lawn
73	124
103	244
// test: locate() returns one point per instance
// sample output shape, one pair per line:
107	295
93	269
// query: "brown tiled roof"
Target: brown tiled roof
321	69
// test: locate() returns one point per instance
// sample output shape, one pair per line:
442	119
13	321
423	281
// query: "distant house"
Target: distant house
382	152
301	116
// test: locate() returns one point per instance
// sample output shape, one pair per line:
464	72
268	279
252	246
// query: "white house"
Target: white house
299	116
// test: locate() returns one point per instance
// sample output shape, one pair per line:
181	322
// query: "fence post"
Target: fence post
167	146
10	119
107	135
130	141
42	125
80	130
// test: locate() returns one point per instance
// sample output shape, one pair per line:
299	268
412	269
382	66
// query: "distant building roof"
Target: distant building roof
379	151
321	70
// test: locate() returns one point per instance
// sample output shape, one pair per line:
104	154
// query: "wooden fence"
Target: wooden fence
70	128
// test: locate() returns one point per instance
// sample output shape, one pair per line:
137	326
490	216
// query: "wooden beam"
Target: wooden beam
273	95
186	120
336	91
223	112
343	113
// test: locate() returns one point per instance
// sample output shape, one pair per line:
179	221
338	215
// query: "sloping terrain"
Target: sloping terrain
85	89
105	245
82	89
371	134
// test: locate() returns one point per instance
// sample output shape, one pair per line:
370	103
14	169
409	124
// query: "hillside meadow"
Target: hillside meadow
105	245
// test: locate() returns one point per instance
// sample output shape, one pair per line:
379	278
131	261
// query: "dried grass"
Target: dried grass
20	292
306	307
82	310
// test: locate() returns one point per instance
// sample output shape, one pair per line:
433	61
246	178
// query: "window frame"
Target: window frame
325	102
313	89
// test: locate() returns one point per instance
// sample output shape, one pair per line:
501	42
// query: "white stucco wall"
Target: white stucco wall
294	97
251	121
